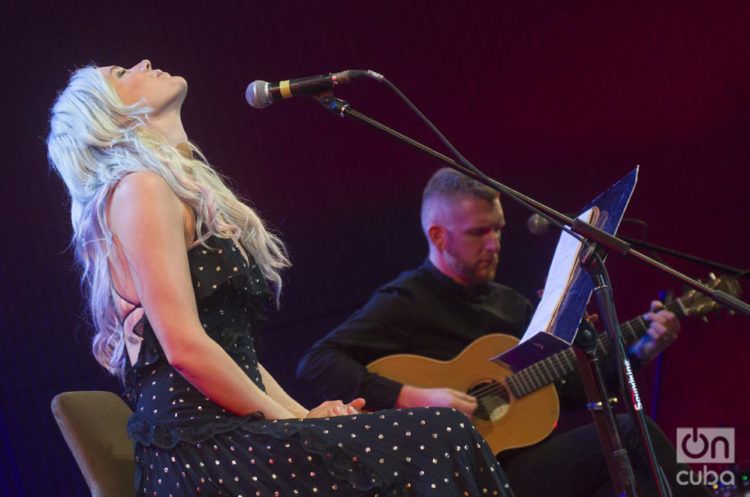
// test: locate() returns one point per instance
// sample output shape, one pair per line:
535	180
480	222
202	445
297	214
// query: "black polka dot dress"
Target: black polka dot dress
187	445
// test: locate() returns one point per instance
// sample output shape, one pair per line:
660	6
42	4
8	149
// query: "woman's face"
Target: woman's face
157	88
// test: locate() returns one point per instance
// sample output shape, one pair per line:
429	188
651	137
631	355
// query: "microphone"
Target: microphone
538	225
260	94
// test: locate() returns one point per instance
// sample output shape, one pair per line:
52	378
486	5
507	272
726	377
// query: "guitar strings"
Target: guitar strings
495	387
636	327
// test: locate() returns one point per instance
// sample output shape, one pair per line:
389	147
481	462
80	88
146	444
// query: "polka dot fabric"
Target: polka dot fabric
187	445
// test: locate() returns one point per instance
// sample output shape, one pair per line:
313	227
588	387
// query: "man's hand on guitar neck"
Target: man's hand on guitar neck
411	396
662	331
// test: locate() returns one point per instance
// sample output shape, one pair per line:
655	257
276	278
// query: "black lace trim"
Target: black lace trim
165	436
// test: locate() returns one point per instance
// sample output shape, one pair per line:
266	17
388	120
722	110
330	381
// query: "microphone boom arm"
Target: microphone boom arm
580	229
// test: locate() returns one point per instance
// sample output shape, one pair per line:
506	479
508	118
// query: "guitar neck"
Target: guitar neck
561	364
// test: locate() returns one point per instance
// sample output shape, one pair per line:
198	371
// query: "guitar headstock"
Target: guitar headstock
695	303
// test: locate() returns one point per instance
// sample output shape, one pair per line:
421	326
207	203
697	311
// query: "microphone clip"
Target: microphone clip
333	104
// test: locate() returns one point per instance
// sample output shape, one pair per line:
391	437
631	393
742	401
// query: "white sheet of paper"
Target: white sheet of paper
564	264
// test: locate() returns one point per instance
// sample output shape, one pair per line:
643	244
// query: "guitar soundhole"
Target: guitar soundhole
493	400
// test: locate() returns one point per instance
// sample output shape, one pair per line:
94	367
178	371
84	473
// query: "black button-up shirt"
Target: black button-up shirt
421	312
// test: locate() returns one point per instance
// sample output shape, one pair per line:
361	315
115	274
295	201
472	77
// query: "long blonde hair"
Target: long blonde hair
94	141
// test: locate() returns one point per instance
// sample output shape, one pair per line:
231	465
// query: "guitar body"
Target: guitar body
504	421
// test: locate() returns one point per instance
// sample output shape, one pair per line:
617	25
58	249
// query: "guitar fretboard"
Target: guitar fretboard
561	364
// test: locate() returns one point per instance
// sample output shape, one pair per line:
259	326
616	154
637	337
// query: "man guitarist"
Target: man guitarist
439	308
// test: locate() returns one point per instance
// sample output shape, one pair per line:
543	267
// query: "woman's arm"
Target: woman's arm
147	221
326	409
276	392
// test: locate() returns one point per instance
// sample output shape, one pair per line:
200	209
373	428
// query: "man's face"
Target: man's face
471	246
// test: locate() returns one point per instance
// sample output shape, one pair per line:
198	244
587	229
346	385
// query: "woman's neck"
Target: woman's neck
170	126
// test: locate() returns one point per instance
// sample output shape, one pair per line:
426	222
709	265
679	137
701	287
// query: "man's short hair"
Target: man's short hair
448	184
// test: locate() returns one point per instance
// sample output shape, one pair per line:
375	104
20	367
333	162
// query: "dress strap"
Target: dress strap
117	294
131	317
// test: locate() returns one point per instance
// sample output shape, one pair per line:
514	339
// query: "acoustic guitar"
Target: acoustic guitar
521	408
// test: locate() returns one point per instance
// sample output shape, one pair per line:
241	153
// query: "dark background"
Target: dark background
558	99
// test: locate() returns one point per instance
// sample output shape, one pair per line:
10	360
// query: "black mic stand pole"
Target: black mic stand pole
599	404
720	266
622	476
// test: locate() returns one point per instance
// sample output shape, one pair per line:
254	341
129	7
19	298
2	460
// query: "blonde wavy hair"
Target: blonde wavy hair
94	141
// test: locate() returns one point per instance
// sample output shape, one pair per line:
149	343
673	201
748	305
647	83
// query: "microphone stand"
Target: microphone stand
597	242
739	273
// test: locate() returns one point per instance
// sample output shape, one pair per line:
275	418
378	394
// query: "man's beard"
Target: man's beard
485	276
471	272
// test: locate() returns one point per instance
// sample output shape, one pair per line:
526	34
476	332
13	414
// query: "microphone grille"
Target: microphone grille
537	225
257	95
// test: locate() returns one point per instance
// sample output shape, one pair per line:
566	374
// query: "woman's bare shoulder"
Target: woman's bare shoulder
143	186
143	205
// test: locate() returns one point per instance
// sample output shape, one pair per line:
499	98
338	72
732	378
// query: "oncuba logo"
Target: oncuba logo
705	446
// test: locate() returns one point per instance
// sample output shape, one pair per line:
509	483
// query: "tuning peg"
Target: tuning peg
731	312
704	319
712	276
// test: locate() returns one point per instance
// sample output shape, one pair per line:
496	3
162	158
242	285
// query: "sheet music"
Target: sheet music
567	290
559	279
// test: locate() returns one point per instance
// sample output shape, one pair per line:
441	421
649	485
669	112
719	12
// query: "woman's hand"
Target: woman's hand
331	408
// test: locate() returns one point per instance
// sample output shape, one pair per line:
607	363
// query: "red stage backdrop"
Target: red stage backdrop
558	99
